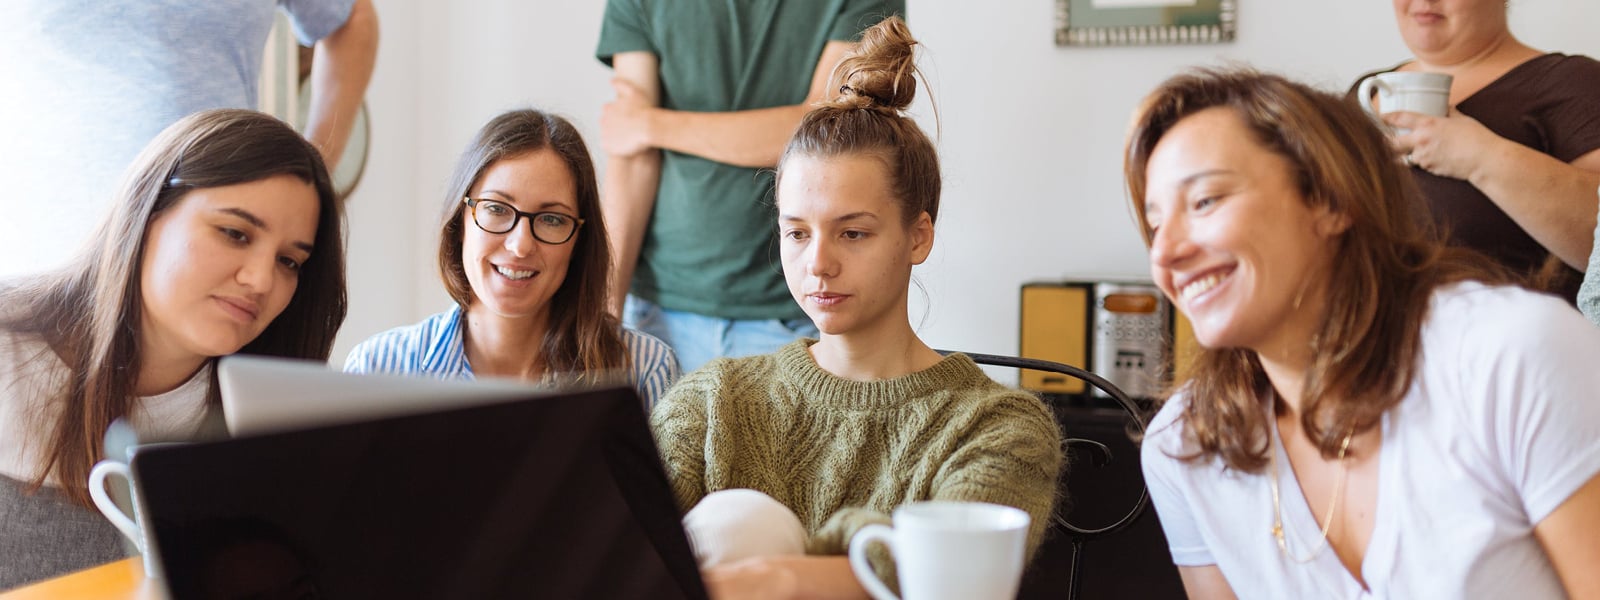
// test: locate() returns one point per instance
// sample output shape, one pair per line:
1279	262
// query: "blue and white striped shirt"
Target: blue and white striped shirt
434	347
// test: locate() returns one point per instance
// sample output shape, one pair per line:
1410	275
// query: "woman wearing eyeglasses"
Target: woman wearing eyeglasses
522	251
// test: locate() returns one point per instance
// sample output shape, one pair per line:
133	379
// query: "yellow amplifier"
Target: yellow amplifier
1122	331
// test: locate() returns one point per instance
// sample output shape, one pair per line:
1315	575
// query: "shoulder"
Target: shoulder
735	372
1487	348
1164	434
24	356
724	379
646	350
1573	64
429	330
314	20
406	346
995	403
1501	318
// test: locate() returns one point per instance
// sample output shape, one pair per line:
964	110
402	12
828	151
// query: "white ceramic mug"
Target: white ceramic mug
948	551
1426	93
132	525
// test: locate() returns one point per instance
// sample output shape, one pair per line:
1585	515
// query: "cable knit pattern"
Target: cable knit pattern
844	453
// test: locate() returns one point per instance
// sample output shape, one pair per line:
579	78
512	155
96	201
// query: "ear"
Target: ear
921	238
1328	222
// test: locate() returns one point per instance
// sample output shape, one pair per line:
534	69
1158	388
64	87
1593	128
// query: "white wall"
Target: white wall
1031	133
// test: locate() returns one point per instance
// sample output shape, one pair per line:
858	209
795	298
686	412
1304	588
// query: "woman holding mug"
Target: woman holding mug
1372	414
1512	170
225	237
781	458
523	252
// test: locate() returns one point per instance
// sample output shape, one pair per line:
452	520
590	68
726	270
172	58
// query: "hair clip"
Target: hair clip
847	89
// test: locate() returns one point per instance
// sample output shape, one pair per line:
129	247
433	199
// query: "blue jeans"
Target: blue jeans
697	339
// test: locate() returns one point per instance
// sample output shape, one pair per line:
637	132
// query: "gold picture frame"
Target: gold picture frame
1144	22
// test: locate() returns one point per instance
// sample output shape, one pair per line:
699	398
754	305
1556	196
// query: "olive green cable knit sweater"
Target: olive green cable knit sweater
842	454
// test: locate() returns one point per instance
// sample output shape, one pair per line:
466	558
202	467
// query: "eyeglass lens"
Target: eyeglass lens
498	217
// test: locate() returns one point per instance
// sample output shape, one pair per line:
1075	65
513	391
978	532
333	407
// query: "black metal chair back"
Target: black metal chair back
1100	453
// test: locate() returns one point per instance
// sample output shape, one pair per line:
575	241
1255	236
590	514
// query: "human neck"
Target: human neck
504	347
1503	49
1288	355
1288	378
163	370
880	353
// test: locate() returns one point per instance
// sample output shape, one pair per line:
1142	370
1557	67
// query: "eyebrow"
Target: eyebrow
1184	183
508	199
256	222
849	217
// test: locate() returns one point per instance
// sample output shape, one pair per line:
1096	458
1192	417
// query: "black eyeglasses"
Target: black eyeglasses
495	216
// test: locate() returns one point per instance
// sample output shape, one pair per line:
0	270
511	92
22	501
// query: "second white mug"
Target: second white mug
1426	93
948	551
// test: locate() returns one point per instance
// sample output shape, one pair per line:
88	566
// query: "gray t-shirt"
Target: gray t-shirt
85	84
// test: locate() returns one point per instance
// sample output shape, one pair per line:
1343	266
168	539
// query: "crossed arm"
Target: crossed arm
634	129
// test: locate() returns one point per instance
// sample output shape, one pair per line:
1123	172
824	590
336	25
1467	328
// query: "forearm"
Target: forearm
1553	201
340	72
824	577
749	138
629	197
785	577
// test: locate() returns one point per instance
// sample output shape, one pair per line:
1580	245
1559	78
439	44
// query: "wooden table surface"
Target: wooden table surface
121	580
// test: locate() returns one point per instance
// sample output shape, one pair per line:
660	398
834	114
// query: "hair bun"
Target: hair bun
881	73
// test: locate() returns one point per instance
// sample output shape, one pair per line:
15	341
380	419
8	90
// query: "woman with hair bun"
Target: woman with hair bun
780	458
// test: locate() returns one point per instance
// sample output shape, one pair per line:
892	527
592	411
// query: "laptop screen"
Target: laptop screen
559	496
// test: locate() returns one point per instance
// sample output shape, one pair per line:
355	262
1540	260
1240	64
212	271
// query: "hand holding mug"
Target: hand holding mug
1452	146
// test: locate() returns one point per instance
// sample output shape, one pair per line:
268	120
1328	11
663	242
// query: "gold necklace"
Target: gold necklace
1333	505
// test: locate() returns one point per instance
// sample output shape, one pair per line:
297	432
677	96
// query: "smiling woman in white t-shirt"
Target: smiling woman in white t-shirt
1372	414
225	237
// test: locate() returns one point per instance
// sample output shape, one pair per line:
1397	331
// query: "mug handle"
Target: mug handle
1364	93
858	559
107	506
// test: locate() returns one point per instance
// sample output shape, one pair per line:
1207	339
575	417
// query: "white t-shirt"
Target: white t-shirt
31	380
1501	425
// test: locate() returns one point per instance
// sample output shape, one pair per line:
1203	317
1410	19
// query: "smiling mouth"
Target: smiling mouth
1203	284
513	274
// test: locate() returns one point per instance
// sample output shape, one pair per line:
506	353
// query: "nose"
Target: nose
519	241
821	260
257	274
1171	244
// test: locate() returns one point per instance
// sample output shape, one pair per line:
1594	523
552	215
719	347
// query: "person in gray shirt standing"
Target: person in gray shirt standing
86	83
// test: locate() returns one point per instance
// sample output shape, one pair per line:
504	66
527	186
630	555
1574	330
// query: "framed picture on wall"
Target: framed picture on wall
1143	22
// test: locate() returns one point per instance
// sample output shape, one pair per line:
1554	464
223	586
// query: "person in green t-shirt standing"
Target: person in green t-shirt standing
708	93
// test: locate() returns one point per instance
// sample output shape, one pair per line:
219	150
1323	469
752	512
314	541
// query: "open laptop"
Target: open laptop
550	495
264	394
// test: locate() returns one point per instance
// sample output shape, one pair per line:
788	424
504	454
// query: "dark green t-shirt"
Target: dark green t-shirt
711	247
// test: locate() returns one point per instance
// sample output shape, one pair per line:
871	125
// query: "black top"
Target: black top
1548	104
